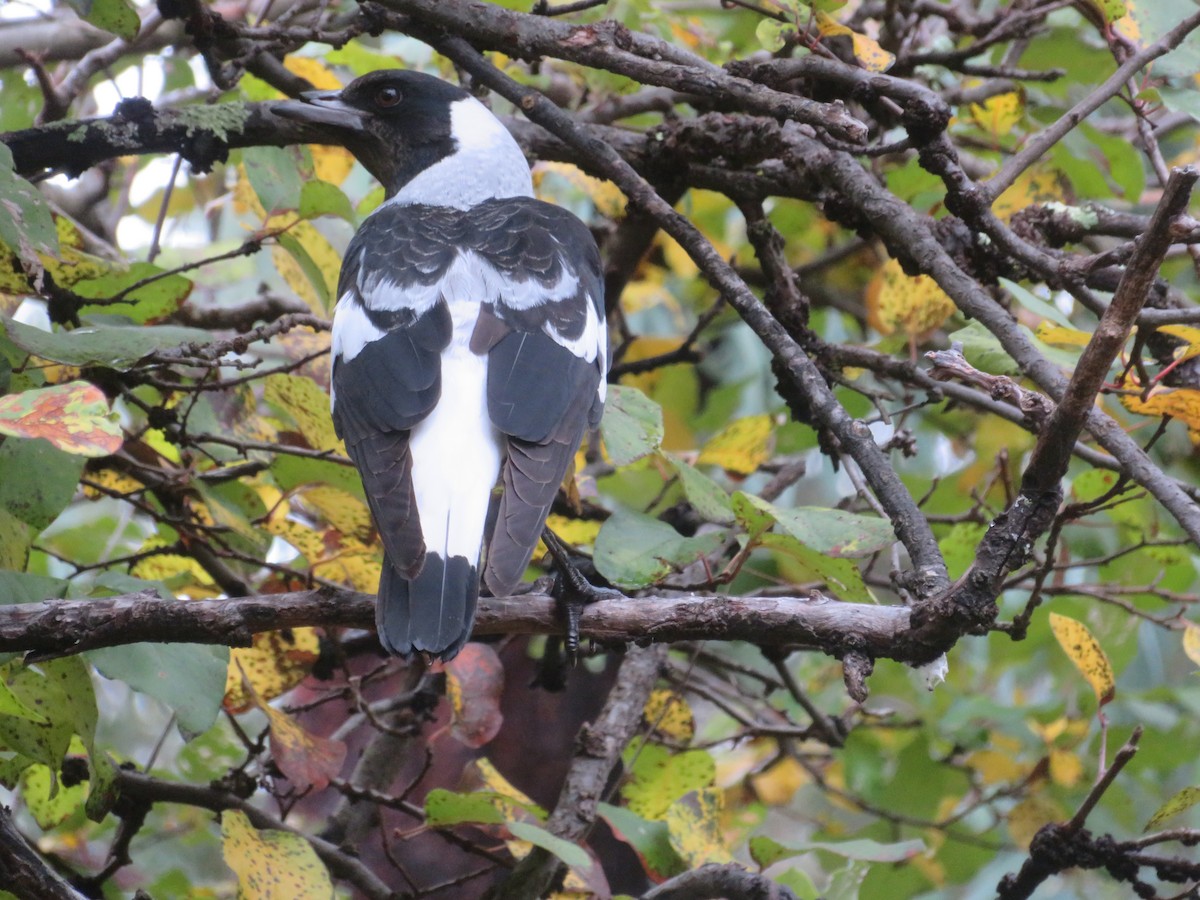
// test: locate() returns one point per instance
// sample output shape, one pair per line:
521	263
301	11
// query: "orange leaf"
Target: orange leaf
73	417
474	683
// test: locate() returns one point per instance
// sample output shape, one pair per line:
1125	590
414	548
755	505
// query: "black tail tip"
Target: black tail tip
431	614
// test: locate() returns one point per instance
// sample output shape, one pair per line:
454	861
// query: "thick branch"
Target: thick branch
598	747
23	871
1052	453
59	627
609	45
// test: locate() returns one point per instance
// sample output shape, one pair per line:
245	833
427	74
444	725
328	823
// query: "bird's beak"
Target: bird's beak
321	108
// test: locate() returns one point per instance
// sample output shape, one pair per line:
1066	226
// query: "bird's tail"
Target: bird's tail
431	613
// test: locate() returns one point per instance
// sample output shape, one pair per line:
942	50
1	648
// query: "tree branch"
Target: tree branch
63	627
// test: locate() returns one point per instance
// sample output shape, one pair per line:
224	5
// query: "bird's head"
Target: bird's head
402	124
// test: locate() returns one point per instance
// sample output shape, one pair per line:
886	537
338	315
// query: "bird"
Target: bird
469	344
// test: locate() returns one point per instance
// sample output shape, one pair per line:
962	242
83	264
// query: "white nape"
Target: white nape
487	163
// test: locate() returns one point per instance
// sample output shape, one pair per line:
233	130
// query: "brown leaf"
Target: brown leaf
474	683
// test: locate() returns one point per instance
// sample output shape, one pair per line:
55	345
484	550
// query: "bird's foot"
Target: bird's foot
572	590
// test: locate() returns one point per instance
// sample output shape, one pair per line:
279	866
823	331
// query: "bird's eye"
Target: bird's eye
387	97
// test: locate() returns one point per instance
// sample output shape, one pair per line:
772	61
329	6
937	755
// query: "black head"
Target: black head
396	122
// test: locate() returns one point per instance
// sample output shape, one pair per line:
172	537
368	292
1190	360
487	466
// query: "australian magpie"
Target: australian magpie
469	348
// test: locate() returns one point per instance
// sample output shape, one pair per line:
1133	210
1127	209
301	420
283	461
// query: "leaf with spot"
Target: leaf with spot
271	865
74	417
474	685
694	828
1086	653
900	302
26	226
275	663
306	405
658	777
1181	801
146	291
669	715
47	799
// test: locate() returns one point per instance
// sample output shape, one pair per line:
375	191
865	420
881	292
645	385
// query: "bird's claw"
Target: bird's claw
572	590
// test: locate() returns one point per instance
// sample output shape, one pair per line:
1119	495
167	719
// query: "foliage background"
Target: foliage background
795	203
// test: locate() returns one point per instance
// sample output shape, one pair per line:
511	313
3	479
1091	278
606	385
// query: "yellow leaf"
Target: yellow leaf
998	115
308	405
866	50
1182	403
342	510
313	278
512	804
996	766
1187	333
896	302
1037	184
576	532
742	446
694	828
777	785
1086	653
1058	336
1185	799
1029	816
117	482
670	716
272	865
1112	10
644	347
1065	768
606	196
275	663
1191	642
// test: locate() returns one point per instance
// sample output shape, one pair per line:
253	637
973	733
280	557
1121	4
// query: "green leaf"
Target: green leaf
983	350
25	222
308	265
842	576
21	587
648	838
634	550
188	678
275	175
114	346
155	300
15	541
443	808
36	501
832	531
1036	304
320	198
61	690
292	471
632	426
709	498
114	16
572	854
766	851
